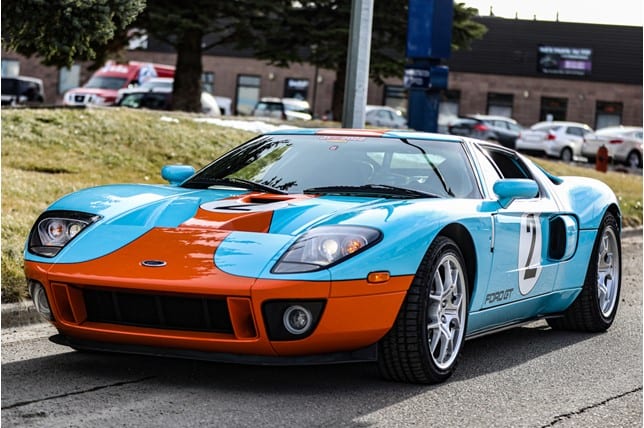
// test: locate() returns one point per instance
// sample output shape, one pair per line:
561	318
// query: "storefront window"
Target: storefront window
247	93
608	114
553	109
68	78
208	82
296	88
499	104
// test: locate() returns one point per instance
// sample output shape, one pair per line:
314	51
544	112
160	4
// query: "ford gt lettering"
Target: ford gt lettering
499	296
320	246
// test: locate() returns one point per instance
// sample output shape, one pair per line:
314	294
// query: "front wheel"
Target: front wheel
427	337
595	308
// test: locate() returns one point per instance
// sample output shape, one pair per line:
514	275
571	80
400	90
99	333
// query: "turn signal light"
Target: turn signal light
378	277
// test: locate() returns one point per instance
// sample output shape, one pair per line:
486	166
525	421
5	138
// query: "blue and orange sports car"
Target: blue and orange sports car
313	246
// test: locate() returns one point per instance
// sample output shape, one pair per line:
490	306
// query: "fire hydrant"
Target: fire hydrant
601	161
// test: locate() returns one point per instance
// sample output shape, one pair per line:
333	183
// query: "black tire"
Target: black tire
566	155
594	309
405	353
633	160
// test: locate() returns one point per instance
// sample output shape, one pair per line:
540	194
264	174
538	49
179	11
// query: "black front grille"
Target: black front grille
158	311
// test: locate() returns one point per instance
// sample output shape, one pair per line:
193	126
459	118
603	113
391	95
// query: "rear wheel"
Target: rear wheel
566	154
595	308
427	337
634	160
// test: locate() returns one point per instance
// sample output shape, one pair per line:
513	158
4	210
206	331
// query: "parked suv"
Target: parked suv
503	130
22	90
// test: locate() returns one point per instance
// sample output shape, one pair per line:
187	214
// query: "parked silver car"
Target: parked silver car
624	144
384	116
557	139
283	108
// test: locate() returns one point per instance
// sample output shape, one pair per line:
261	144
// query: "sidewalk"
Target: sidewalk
24	313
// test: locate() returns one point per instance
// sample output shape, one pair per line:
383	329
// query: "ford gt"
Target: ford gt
319	246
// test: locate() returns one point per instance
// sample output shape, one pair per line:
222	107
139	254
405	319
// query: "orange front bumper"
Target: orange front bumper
356	313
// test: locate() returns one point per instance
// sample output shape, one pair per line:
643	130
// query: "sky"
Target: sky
613	12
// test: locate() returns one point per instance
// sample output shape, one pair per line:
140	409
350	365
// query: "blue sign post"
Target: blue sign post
429	38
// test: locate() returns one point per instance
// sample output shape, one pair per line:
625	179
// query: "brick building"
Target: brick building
529	70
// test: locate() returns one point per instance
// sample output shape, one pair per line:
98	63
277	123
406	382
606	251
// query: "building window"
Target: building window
208	82
247	93
499	104
68	78
608	114
296	88
10	68
553	109
448	108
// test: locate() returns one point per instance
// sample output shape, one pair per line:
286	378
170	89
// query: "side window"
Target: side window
573	130
510	166
514	127
500	124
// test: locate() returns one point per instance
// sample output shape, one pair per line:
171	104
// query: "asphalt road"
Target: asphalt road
526	377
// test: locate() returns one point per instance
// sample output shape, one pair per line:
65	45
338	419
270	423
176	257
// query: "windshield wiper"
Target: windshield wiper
242	183
383	190
440	176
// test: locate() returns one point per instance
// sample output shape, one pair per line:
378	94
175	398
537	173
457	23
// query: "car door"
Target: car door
520	267
574	137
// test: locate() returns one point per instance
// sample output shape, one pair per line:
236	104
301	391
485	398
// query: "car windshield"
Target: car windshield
344	164
103	82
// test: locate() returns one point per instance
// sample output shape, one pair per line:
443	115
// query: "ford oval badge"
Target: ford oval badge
153	263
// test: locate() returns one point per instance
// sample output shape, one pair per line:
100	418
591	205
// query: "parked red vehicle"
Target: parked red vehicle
102	88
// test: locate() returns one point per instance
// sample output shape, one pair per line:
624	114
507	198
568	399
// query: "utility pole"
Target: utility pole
357	80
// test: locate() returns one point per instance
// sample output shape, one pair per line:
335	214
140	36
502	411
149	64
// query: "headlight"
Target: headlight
325	246
54	229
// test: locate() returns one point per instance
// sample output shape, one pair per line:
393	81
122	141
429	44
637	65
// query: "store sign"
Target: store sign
564	60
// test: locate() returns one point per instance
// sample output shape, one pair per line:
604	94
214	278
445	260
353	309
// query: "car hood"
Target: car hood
129	211
103	92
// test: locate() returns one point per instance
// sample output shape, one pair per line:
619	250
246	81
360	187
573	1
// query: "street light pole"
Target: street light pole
357	80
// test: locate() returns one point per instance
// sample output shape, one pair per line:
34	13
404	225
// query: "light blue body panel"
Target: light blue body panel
513	313
587	198
128	211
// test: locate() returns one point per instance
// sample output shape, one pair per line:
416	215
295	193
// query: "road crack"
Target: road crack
561	418
69	394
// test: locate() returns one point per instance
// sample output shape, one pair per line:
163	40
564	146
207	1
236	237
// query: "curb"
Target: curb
629	232
20	314
24	313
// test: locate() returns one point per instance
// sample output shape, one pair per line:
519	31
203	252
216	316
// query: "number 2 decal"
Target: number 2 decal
529	266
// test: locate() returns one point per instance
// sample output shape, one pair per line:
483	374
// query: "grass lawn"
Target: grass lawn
47	153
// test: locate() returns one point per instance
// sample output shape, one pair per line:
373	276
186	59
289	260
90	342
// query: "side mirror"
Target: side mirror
515	188
176	174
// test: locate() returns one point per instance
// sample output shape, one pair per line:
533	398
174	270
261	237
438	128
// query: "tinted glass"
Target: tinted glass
10	86
102	82
294	163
